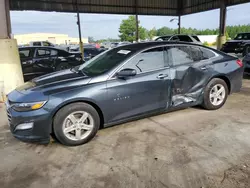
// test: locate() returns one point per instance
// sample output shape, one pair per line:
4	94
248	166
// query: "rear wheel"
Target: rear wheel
215	94
62	66
76	124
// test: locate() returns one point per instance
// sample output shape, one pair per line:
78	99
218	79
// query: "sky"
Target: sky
102	26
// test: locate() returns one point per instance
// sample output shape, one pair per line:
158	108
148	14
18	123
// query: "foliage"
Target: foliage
128	30
107	40
214	43
152	33
91	40
205	43
231	31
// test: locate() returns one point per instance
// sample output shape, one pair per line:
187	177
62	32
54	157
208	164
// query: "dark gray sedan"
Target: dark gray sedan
119	85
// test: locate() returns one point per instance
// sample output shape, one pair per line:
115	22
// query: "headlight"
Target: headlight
23	107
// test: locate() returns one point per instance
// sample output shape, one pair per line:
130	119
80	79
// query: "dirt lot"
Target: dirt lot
191	148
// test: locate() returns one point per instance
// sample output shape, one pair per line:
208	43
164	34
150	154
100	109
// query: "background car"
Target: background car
246	61
90	50
37	61
241	41
180	37
246	49
121	84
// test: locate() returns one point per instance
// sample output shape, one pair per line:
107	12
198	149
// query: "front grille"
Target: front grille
9	116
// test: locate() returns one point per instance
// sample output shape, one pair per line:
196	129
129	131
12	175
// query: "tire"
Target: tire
63	121
62	66
210	104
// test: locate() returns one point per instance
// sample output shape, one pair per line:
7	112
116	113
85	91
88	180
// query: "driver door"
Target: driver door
145	92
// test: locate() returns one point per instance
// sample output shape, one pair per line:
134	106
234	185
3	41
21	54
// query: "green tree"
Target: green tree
91	39
164	31
128	30
152	33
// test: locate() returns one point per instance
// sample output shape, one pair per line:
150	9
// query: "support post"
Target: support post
80	34
137	27
11	74
136	22
179	24
222	28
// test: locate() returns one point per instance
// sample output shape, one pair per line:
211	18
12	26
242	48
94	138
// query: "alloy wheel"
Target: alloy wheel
217	94
78	125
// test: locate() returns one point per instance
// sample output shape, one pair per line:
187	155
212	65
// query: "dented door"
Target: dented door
189	73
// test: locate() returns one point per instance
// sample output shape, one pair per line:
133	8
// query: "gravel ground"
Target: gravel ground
190	148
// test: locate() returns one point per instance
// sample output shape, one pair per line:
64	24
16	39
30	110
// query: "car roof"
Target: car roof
144	45
26	47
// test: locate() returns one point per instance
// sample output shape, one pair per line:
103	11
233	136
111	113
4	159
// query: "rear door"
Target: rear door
146	92
190	72
44	60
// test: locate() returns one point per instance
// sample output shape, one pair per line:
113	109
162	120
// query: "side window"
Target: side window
43	52
53	52
148	60
179	55
207	54
195	53
46	44
176	38
36	43
24	53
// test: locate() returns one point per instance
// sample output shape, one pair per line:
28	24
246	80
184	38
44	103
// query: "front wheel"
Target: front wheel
215	94
76	124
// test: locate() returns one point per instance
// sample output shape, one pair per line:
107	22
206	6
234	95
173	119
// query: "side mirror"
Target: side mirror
126	73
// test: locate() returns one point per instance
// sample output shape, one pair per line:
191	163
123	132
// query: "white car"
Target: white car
180	37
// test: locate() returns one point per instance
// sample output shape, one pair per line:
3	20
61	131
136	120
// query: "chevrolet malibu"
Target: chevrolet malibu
119	85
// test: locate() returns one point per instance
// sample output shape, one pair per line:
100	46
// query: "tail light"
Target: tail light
239	62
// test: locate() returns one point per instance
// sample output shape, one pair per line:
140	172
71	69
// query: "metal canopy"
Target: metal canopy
141	7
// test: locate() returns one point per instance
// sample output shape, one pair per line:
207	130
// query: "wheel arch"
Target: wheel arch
93	104
224	78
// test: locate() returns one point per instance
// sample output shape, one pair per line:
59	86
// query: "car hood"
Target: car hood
40	88
55	77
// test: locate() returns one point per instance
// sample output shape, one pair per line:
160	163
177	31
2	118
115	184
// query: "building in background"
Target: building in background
60	39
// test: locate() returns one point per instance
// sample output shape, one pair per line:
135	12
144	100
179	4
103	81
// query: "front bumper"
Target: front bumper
40	132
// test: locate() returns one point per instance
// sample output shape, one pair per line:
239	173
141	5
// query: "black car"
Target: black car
90	51
238	44
37	61
246	61
121	84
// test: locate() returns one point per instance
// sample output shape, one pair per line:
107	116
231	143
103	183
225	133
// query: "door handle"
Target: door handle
161	76
203	68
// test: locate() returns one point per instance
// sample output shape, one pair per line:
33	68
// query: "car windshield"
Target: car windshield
243	36
106	61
